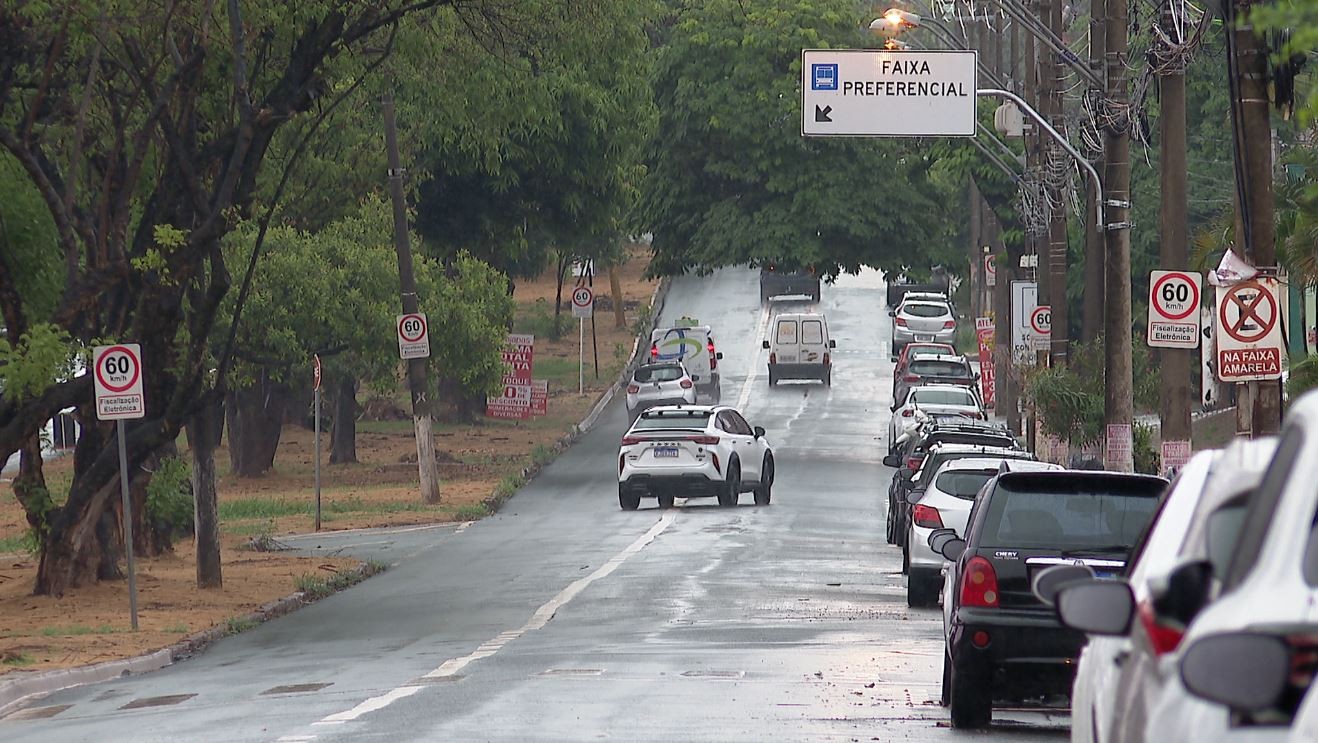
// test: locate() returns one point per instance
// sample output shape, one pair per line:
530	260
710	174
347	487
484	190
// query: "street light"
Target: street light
893	22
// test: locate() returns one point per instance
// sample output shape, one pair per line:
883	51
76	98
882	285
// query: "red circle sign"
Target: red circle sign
1041	320
1165	293
1261	310
582	296
116	364
411	328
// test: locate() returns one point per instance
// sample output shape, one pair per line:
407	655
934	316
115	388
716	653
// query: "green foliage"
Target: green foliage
1148	458
730	179
315	588
29	245
169	496
1303	376
1069	399
472	511
236	625
15	659
1300	19
45	354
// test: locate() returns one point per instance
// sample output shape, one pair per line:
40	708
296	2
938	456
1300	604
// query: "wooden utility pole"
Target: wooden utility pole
1258	410
1173	363
1054	258
1119	404
417	378
978	278
1095	247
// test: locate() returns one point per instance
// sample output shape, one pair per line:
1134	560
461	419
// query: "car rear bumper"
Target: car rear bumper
799	371
653	402
1028	654
686	485
902	336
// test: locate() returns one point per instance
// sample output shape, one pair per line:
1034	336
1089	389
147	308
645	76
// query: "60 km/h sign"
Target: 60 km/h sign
118	376
583	302
413	336
1174	309
1249	342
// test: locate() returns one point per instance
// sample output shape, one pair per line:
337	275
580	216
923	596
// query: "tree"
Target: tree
145	130
730	179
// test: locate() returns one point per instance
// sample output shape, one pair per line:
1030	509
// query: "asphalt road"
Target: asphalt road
564	618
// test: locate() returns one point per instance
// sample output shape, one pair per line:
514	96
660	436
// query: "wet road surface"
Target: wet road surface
563	618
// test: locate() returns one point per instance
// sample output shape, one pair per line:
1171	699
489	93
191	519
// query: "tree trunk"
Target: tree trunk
343	435
619	310
564	261
204	430
255	417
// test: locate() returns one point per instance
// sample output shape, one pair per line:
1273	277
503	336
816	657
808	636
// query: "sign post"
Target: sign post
1249	341
1174	309
583	306
118	380
315	385
884	93
984	333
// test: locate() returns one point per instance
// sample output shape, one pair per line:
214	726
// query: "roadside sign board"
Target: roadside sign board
990	270
1024	301
1041	326
1248	333
117	371
1175	454
1174	309
539	397
413	336
1119	452
583	302
984	333
887	93
516	400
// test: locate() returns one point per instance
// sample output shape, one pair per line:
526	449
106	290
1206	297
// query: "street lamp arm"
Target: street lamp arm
1057	137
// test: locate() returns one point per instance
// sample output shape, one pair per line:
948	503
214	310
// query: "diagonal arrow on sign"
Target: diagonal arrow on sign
821	114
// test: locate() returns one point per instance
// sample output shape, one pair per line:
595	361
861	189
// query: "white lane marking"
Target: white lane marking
537	621
760	331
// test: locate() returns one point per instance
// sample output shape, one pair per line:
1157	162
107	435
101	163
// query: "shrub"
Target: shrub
169	498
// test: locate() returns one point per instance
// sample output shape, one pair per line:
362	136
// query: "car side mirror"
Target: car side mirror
832	343
976	377
764	344
719	355
906	475
1183	593
1241	670
892	460
1099	607
913	497
892	313
953	549
759	431
939	537
1049	582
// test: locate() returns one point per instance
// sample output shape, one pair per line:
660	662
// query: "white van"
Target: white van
799	348
693	345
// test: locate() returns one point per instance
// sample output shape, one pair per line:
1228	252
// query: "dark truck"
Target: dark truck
778	281
1003	644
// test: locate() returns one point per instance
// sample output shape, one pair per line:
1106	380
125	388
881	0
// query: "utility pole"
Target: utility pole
1173	363
1051	71
1095	255
1119	404
978	277
418	382
1258	411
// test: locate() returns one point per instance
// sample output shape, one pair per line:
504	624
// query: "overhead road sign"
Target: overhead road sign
887	93
1249	340
413	336
1174	309
117	371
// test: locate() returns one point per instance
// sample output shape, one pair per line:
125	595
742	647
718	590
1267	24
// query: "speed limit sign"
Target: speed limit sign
1174	309
1041	325
117	373
413	336
583	302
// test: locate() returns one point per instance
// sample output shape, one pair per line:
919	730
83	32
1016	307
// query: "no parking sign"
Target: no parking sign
1249	341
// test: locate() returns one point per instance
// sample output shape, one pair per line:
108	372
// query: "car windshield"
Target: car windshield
963	483
658	419
668	373
924	309
927	396
1074	513
940	369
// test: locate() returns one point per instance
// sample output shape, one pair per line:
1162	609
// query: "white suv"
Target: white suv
693	451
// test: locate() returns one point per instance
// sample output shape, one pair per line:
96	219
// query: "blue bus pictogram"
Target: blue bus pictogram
823	77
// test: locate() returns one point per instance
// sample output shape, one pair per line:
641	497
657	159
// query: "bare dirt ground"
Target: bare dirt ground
90	624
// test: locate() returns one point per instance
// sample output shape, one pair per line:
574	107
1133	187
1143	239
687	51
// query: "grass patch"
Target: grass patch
562	373
262	508
508	485
16	660
316	587
472	511
542	455
234	625
177	629
250	528
74	630
16	543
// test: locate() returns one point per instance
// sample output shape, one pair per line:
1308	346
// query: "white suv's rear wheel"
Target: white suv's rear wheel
628	501
731	489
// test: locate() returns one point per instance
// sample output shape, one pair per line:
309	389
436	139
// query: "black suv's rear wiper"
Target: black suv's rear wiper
1102	549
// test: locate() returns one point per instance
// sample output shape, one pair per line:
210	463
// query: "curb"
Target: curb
495	501
15	694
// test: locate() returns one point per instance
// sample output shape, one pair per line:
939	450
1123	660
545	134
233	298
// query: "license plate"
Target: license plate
1106	574
924	339
665	452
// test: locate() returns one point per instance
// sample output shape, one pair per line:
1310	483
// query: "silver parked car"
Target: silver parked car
924	321
664	383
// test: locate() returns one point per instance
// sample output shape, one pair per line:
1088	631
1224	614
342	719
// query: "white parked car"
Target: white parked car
664	383
1119	676
945	504
937	400
694	451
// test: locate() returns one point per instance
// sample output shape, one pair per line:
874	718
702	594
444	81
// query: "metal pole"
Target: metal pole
417	383
128	524
581	355
317	416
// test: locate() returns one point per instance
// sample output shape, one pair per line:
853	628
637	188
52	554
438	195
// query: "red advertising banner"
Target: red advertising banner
518	360
984	332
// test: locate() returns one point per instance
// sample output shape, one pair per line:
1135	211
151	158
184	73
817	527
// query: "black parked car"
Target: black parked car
1002	643
776	281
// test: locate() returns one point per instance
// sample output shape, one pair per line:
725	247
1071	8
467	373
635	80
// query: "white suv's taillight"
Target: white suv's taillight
686	384
633	389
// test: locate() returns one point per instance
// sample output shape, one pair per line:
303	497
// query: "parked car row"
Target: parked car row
1214	628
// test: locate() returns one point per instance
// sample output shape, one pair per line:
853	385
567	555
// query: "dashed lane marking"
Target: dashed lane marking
751	373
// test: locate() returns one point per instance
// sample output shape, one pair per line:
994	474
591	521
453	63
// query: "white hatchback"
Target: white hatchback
664	383
935	400
691	452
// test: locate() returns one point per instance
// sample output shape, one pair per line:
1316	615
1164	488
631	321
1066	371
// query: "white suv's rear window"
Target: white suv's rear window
812	332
